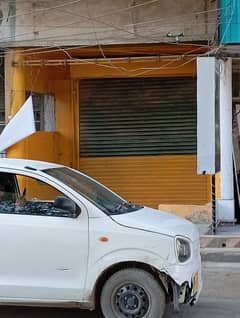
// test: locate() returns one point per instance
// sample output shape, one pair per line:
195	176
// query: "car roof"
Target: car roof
25	164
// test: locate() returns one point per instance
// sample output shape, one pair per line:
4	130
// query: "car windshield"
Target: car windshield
100	196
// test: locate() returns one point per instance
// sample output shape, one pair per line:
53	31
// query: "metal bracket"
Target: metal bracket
176	292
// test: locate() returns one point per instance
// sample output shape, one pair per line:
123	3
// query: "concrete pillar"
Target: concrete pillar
225	206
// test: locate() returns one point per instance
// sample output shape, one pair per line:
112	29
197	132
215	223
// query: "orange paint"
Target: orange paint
148	180
151	180
103	239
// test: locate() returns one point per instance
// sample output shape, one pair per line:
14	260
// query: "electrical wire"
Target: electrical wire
109	13
137	71
135	34
134	72
76	37
147	69
81	46
65	50
77	1
166	66
115	11
54	49
176	17
131	7
114	27
121	70
65	4
155	21
144	69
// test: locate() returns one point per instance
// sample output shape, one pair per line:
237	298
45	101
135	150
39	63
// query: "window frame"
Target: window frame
50	183
40	105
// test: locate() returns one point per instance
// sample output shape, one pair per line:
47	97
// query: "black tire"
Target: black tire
132	293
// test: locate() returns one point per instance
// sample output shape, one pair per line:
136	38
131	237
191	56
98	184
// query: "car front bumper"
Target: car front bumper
186	278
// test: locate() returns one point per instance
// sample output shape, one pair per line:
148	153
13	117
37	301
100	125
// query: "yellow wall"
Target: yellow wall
164	179
56	81
48	80
217	183
135	68
43	146
35	190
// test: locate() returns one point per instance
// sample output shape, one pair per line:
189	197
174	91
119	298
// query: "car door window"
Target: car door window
29	196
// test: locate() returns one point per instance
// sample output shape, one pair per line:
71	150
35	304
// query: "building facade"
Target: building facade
114	90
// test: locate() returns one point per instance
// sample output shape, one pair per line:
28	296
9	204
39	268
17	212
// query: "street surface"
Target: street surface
220	299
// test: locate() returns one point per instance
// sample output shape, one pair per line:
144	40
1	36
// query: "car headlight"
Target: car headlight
183	249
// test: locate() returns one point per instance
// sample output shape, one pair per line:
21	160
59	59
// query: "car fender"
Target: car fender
123	255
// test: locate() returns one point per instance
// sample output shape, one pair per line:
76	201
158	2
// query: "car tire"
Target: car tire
132	293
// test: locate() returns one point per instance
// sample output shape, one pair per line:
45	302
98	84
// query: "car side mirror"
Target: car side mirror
66	204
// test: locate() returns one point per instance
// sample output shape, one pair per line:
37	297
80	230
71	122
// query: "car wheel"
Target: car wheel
132	293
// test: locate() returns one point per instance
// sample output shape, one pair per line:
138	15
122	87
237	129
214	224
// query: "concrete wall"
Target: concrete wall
7	20
93	22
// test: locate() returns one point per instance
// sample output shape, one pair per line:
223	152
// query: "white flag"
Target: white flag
19	127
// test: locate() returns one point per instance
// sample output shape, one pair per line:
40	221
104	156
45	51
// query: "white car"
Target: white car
66	240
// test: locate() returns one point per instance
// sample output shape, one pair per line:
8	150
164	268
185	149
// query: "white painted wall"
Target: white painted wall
105	22
225	206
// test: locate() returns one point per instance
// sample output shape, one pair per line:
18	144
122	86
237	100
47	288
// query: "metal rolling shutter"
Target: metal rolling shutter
137	117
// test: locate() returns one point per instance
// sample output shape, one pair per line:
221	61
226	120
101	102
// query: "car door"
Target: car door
44	250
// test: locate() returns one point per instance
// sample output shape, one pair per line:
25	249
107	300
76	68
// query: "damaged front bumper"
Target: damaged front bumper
188	292
185	279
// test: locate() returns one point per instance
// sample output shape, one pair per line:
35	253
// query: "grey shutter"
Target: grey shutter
143	116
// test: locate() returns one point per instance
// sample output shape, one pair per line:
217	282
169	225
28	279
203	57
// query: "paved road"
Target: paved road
220	299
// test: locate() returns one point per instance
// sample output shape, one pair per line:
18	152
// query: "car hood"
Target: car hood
159	222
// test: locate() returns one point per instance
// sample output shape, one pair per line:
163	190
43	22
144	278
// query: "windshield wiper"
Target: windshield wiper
125	207
122	207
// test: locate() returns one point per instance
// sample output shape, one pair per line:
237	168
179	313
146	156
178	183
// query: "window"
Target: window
29	196
100	196
44	112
